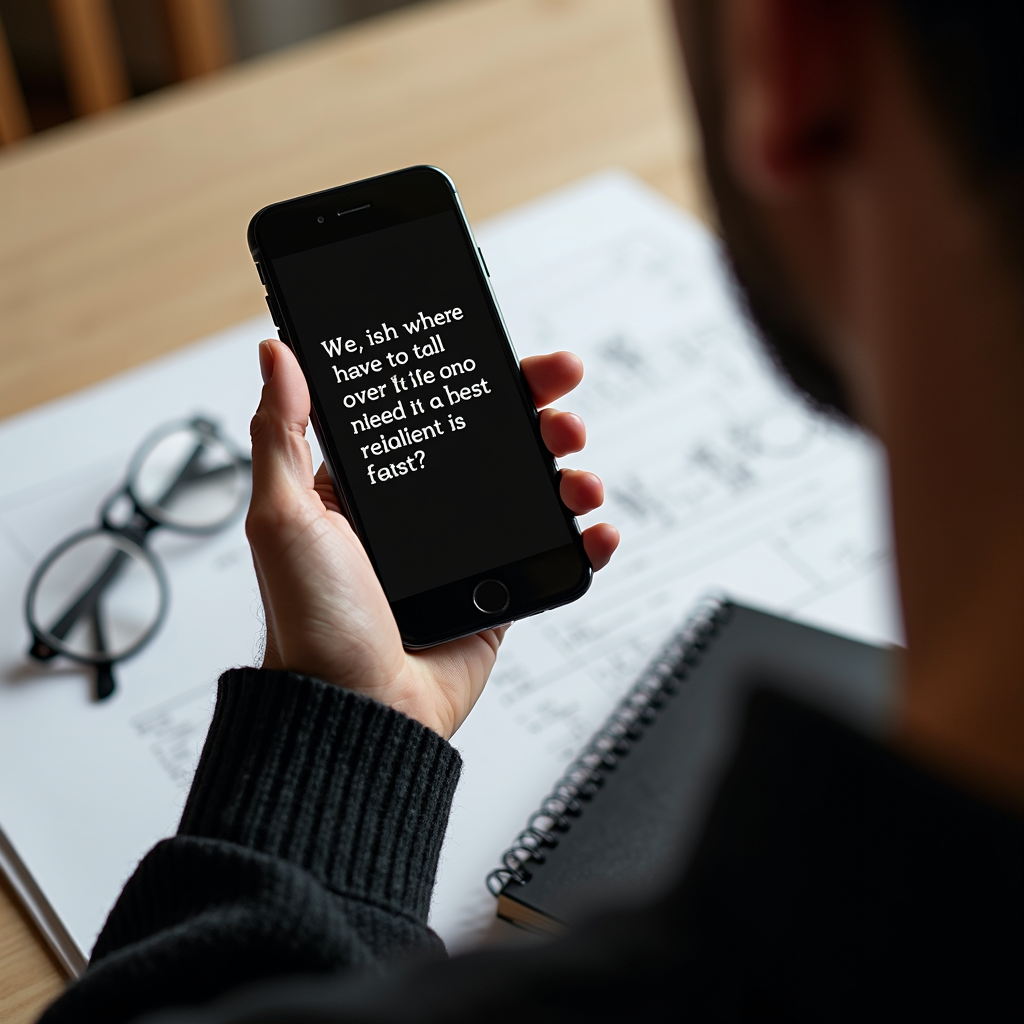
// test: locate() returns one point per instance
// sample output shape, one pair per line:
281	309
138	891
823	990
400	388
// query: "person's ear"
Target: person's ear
788	84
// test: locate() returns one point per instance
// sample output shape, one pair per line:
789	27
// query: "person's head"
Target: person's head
788	95
867	162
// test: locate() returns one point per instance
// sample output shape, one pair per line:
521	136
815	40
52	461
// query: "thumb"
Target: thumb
281	463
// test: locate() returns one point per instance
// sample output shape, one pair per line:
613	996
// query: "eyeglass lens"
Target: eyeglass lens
97	599
190	479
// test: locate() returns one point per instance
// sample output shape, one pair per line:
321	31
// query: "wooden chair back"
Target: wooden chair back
93	61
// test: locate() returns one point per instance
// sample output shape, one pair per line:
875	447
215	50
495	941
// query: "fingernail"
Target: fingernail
266	361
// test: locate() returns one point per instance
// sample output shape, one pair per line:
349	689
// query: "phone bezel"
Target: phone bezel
549	579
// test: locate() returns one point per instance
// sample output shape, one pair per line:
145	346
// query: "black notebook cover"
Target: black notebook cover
625	813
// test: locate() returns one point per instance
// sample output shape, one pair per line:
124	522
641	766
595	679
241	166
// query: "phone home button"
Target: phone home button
491	597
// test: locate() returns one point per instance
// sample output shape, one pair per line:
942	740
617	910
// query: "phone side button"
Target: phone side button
273	316
491	597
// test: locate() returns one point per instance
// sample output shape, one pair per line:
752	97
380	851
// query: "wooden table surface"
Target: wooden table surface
123	236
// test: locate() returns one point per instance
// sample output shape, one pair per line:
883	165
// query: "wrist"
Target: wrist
403	689
410	691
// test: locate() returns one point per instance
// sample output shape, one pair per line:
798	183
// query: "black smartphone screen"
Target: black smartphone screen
423	415
412	377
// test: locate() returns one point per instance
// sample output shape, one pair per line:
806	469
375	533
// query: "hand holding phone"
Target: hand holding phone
429	433
326	612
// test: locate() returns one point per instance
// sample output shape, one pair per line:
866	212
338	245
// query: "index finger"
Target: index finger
551	376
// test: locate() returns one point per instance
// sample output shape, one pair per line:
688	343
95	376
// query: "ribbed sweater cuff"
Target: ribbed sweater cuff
350	790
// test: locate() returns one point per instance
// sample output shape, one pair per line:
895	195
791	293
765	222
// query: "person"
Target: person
866	158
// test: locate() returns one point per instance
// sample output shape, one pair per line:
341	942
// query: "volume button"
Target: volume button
273	315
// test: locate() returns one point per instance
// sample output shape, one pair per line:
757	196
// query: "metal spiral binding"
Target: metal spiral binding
585	775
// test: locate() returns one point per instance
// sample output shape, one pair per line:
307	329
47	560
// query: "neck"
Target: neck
942	320
951	414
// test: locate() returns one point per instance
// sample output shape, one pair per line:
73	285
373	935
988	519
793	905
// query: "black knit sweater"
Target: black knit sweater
309	841
834	881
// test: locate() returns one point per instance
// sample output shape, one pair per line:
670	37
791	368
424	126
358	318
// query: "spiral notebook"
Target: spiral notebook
620	820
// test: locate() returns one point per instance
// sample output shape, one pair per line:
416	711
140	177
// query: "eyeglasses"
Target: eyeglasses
100	595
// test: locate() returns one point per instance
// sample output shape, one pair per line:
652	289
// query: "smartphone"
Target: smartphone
427	427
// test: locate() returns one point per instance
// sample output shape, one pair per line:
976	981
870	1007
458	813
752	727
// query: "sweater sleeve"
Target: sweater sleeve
309	843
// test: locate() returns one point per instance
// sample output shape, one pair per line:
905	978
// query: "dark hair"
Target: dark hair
968	56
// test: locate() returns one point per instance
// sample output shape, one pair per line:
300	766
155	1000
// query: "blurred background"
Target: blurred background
137	138
60	59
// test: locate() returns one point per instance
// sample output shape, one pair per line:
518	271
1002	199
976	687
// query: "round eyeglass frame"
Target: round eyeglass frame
142	520
201	425
121	540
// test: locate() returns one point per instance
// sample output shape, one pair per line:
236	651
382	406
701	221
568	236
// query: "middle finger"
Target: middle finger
581	491
563	432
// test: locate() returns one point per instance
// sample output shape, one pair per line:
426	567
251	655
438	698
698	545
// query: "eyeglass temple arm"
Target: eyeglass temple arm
186	474
104	670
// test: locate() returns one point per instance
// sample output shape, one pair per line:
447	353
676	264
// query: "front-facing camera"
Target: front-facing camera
319	220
